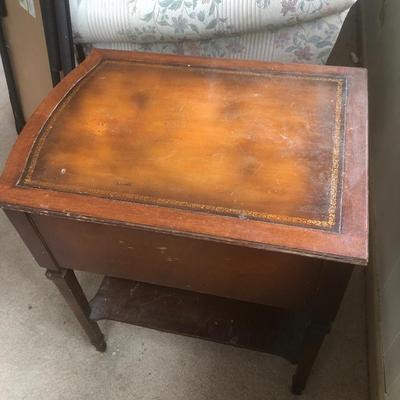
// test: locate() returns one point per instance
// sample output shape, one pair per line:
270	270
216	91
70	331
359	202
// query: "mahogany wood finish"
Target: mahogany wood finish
144	136
69	287
156	210
236	179
32	238
331	287
231	322
281	280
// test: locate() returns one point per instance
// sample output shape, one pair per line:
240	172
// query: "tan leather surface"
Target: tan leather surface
255	145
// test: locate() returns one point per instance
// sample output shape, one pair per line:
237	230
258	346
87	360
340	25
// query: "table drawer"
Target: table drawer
203	266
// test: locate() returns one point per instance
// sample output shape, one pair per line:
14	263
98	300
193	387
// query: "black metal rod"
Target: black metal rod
3	10
65	38
51	35
12	88
80	52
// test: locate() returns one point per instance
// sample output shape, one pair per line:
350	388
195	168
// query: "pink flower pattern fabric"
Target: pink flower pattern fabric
279	30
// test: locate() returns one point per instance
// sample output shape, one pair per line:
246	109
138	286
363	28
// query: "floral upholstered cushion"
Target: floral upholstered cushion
282	30
309	42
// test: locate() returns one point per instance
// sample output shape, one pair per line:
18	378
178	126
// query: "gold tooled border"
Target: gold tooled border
330	222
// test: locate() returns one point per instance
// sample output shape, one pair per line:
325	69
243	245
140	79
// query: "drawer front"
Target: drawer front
204	266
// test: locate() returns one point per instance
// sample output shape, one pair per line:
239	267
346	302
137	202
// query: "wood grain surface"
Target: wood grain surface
251	144
262	155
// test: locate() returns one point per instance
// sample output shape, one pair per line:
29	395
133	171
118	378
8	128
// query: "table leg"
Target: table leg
325	305
69	287
312	342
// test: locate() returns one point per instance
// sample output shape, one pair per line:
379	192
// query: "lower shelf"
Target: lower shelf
227	321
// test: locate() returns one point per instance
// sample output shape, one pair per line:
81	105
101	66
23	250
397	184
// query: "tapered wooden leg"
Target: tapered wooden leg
312	342
325	305
69	287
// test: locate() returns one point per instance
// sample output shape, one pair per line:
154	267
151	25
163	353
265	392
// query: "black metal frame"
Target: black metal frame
51	36
65	39
57	27
8	71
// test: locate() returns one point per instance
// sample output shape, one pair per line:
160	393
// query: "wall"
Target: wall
382	48
28	54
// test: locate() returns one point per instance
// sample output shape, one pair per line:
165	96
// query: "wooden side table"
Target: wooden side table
221	199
